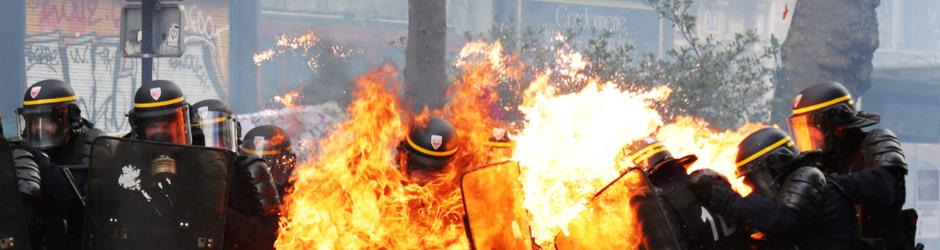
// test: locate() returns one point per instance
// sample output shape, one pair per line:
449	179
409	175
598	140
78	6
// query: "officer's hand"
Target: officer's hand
703	181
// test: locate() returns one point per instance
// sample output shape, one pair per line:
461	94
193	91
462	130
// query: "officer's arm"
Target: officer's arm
884	170
28	174
255	192
767	214
871	186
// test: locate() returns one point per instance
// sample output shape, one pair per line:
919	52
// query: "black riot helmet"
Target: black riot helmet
499	145
273	145
822	110
763	157
214	125
428	147
160	114
49	112
649	154
499	140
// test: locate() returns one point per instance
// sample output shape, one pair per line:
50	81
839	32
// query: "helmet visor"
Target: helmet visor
218	129
806	132
167	126
45	127
761	180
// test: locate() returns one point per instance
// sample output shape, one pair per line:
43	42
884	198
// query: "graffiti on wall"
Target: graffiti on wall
77	41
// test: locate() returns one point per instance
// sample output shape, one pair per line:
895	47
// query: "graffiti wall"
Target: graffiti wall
76	41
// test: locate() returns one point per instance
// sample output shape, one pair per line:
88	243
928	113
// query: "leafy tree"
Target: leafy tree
727	83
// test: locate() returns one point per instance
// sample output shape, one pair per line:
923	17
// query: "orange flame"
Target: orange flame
569	146
353	196
291	99
483	66
715	150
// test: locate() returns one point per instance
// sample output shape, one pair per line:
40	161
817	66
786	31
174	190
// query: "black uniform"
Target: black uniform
869	166
700	228
62	155
251	220
793	205
875	183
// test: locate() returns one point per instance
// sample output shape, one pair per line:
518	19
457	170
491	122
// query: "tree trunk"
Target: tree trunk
828	40
425	69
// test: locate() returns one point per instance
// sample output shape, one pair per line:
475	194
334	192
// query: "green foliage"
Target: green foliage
727	83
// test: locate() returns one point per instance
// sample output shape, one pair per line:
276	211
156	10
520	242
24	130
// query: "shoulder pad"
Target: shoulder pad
881	148
803	192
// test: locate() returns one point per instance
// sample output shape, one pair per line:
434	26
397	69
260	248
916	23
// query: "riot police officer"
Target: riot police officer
272	144
869	165
21	227
668	174
251	221
160	114
427	149
792	204
51	122
500	146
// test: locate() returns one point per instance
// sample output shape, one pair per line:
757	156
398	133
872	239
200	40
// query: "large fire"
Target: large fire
568	147
351	194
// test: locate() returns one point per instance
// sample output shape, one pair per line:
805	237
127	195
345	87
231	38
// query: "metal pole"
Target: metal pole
146	46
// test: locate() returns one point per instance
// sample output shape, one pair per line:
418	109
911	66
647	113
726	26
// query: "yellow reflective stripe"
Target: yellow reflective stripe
427	151
649	154
821	105
213	121
262	152
644	150
158	104
762	152
48	101
499	144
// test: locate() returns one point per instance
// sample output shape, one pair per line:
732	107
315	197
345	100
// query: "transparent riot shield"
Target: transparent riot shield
146	195
13	225
492	197
627	214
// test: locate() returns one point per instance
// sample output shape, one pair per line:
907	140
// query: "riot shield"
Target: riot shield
13	225
146	195
492	198
627	214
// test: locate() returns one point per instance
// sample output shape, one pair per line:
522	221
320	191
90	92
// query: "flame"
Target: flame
568	147
570	144
291	99
715	150
352	195
483	65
